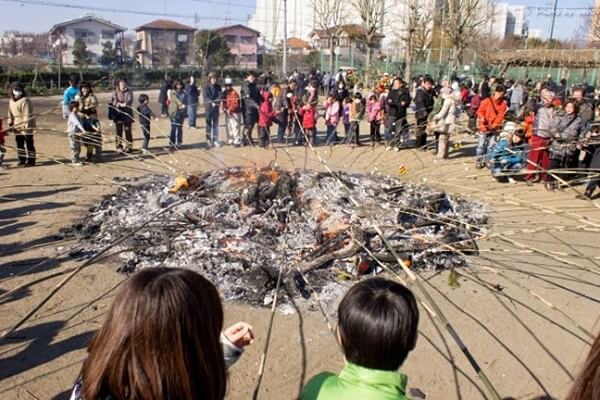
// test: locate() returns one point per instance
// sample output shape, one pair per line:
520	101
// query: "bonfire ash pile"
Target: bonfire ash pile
239	226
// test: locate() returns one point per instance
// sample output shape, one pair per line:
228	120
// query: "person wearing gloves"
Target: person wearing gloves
21	122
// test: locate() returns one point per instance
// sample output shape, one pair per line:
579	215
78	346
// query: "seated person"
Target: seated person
508	154
162	340
377	328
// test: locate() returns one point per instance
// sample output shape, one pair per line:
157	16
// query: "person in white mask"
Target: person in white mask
21	122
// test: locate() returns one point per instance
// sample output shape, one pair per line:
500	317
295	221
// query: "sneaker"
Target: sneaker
77	164
230	142
217	144
388	148
209	144
511	180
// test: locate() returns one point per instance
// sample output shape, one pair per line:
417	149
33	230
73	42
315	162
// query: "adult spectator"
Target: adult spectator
193	97
293	104
565	137
163	338
326	83
251	100
233	114
484	87
423	107
177	112
516	97
280	107
539	156
122	100
490	116
585	107
21	122
398	101
163	95
69	95
213	98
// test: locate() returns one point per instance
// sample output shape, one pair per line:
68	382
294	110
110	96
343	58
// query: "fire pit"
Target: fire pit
237	226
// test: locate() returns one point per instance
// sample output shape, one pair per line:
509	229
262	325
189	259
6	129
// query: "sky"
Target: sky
24	16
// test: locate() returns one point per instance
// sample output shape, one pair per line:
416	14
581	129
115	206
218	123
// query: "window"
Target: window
248	58
83	34
182	38
230	38
247	39
108	35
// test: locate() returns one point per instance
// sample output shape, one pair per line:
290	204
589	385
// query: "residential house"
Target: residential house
93	30
298	46
243	46
349	42
15	44
162	42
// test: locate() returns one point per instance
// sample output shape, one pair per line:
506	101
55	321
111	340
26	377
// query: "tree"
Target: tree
80	53
109	54
370	13
211	49
417	34
329	16
464	23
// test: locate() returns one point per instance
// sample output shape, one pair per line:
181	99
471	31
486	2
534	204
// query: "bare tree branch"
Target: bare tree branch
329	16
370	13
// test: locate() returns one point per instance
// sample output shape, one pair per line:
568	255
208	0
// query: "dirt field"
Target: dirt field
543	244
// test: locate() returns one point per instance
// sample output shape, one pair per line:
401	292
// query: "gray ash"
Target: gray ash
237	227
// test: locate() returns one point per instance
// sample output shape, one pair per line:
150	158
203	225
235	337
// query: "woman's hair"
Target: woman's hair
160	340
378	321
575	106
177	82
16	86
587	383
86	85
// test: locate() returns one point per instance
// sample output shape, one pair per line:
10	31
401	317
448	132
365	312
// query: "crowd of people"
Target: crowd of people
163	338
537	127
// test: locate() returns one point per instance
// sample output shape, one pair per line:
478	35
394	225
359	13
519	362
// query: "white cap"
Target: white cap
228	81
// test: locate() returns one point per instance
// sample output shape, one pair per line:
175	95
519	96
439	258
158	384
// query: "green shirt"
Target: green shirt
356	383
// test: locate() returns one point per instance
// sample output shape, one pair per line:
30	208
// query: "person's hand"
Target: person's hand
240	334
503	161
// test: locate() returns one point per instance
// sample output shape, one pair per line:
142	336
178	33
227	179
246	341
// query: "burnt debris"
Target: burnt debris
238	226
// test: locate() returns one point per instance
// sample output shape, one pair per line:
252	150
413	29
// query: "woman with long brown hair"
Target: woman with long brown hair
587	383
162	340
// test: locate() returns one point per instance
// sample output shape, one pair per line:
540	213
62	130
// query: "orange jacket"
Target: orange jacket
490	115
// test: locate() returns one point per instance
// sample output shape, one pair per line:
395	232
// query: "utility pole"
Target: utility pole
285	39
553	20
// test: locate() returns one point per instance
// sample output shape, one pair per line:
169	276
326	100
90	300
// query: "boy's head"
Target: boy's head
73	81
348	100
143	99
74	106
377	324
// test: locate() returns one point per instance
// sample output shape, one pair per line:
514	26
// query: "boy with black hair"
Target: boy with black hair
145	116
70	95
377	329
357	112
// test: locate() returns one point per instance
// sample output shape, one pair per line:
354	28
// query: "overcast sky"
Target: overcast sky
16	15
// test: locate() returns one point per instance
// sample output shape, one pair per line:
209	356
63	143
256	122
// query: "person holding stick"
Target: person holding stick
21	122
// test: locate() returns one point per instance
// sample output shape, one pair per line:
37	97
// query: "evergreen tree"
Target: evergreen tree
80	53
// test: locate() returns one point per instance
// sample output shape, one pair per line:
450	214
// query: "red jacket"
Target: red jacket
490	115
3	133
309	117
265	112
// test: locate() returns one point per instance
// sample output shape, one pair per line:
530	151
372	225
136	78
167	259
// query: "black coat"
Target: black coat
164	88
398	101
251	99
423	103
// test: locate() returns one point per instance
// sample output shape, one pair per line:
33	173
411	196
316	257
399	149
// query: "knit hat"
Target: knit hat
509	129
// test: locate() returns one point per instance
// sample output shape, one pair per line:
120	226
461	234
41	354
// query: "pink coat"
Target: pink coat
332	113
374	111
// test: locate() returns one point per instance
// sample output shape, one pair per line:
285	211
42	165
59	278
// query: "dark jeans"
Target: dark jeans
298	136
421	136
124	127
192	113
354	133
176	137
146	133
375	132
265	136
212	126
281	127
164	109
248	133
25	149
331	134
312	135
399	132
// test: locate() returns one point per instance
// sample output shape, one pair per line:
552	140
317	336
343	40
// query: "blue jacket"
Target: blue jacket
503	151
192	94
70	94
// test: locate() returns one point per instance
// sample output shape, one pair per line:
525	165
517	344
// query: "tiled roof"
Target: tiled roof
165	25
297	43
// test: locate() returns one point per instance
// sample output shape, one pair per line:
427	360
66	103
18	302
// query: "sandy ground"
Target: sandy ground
542	243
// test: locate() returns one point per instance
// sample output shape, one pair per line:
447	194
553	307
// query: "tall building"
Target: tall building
507	20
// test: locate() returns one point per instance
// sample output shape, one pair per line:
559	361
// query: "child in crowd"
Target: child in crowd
357	112
3	134
507	155
145	116
75	130
69	95
346	116
93	137
162	339
375	117
332	118
309	122
377	329
265	118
